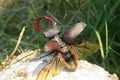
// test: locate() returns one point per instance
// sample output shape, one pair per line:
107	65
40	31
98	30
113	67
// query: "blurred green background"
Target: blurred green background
102	15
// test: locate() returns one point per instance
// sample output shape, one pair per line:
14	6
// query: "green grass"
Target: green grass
102	18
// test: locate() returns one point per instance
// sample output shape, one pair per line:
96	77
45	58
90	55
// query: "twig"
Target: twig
18	42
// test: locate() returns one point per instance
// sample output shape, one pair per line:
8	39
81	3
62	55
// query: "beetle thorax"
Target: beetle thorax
66	54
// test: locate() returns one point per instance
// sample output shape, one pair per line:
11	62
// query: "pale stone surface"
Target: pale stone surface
28	67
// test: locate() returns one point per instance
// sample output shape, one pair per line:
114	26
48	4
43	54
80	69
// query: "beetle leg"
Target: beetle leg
69	65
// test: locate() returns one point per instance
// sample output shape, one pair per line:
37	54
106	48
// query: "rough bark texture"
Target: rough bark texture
25	67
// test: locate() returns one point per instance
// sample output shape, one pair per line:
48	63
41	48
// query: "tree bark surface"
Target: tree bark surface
27	65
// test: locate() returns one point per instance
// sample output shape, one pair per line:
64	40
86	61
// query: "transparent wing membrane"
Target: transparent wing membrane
84	49
51	69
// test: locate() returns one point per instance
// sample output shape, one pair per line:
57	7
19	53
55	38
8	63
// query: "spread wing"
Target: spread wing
51	69
56	65
84	49
73	32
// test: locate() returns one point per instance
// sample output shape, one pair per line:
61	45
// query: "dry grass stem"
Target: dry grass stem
18	42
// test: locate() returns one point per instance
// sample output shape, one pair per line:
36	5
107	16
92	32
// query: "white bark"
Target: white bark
27	68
